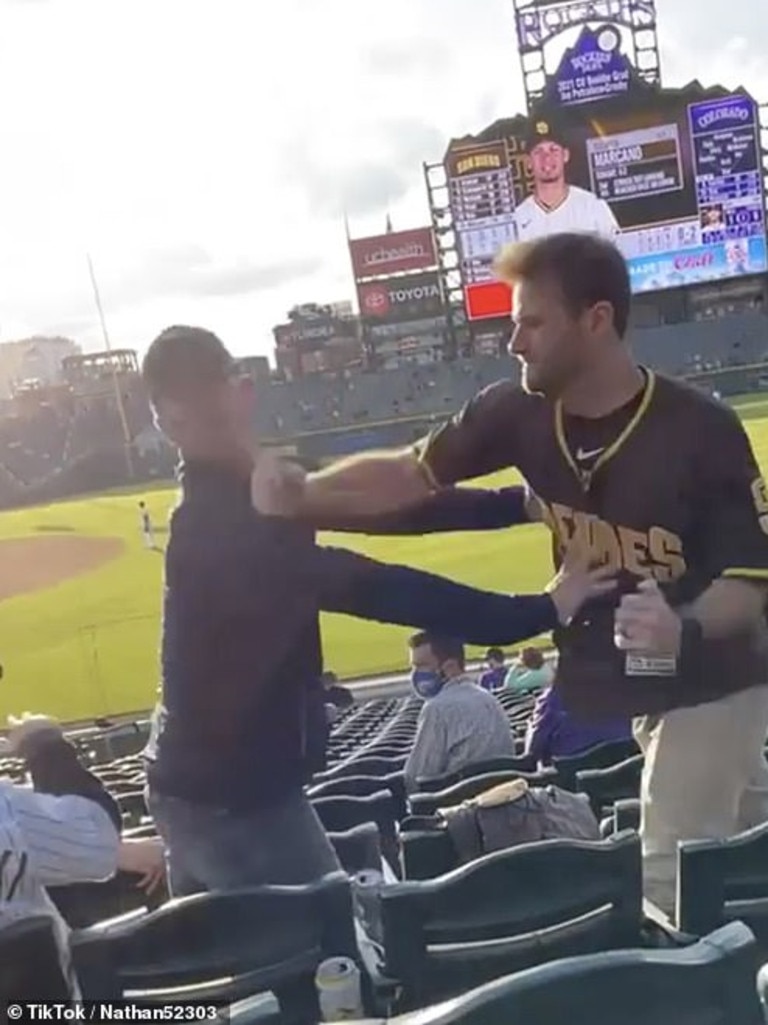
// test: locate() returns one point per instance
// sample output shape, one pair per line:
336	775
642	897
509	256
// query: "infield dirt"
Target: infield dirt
35	563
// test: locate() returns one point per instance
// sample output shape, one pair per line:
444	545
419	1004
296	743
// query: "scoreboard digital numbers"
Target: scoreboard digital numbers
643	162
684	180
727	169
482	197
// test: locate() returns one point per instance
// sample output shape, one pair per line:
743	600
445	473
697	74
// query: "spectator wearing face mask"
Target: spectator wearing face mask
460	723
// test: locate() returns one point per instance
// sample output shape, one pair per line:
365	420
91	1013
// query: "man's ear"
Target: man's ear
168	419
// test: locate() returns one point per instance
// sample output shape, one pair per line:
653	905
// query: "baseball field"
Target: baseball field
79	621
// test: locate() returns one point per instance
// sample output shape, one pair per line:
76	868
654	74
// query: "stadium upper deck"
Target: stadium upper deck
67	443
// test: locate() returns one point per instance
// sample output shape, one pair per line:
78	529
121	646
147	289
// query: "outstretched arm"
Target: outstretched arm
358	586
449	509
480	439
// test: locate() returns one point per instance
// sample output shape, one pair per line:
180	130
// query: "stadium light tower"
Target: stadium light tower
458	337
115	380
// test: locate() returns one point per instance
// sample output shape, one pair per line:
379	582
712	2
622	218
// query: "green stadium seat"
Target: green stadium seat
606	786
132	805
84	904
505	764
30	962
399	750
358	849
367	766
364	786
708	983
723	880
339	814
602	756
625	815
425	853
428	803
508	911
223	946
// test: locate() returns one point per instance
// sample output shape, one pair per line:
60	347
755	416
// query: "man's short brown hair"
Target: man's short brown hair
587	269
183	360
445	649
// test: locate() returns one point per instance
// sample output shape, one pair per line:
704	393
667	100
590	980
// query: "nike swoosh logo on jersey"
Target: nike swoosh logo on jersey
581	454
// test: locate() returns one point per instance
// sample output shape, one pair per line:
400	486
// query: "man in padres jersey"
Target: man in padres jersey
556	206
643	474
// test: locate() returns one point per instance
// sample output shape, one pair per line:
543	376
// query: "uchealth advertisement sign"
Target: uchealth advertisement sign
393	253
412	297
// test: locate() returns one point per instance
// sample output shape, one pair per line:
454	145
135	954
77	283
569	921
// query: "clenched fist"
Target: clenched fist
646	624
277	486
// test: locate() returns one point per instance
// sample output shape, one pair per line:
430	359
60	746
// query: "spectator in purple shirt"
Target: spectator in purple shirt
553	733
496	672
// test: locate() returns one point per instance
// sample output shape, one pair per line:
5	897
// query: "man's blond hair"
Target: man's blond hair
586	268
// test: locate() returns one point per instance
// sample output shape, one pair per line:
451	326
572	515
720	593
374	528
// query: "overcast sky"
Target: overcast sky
204	151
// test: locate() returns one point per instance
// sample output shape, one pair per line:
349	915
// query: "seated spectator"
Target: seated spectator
496	670
334	694
553	733
459	722
65	830
530	673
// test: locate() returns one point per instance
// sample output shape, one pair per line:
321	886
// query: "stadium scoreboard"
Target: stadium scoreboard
728	168
481	188
645	162
682	176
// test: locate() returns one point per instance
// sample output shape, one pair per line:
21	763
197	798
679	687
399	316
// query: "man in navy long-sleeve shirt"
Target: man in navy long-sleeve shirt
241	656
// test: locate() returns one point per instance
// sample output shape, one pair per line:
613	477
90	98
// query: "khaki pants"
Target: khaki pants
705	778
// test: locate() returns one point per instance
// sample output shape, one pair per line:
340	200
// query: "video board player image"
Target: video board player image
555	203
673	177
683	182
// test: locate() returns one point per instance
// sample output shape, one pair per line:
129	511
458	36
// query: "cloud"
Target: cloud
191	271
408	57
335	182
205	151
240	279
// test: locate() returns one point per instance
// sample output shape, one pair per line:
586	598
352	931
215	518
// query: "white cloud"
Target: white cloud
203	150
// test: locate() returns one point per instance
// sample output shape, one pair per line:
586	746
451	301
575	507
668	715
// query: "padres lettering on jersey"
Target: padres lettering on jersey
656	553
579	211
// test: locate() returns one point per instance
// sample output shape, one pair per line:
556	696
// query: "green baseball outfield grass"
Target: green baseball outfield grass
79	623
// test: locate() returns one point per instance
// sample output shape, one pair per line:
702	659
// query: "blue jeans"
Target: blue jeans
210	848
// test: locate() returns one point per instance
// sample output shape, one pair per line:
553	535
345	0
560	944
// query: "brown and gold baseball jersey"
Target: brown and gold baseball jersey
666	488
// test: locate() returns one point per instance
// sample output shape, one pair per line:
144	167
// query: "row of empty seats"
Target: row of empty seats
523	925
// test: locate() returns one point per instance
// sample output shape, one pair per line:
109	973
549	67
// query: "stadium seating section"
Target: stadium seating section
64	444
534	934
523	935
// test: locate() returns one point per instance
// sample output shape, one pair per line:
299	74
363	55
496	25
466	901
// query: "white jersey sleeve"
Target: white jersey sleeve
579	211
67	839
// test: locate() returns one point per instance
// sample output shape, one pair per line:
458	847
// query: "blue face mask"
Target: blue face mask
427	682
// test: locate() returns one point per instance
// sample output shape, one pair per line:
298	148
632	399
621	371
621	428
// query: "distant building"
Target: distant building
33	361
318	338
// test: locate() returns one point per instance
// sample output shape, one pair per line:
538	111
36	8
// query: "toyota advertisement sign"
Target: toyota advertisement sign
412	297
393	253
